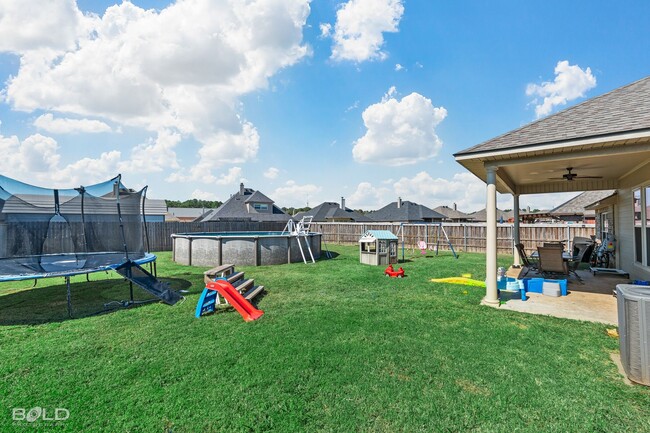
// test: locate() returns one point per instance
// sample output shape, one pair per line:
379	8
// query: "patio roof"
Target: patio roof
607	137
604	143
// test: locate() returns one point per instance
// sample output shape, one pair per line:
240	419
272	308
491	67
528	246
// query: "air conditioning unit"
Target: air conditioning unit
634	331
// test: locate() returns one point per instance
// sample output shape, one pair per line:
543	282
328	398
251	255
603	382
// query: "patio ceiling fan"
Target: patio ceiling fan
569	176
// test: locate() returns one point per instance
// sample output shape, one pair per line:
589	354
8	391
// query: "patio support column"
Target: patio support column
491	296
515	228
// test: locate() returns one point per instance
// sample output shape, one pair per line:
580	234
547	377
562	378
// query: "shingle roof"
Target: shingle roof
155	206
408	212
576	205
186	212
235	208
451	213
329	211
481	215
622	110
258	197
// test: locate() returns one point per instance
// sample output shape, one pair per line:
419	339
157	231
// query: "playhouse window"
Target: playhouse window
369	247
382	247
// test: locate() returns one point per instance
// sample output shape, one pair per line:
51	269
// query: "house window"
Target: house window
604	225
641	225
261	206
383	247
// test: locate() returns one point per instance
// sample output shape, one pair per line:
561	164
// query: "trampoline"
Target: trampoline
64	232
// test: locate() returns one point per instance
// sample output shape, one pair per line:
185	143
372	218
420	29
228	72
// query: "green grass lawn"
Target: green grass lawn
340	348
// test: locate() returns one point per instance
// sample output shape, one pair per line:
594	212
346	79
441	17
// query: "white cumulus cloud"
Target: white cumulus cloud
36	159
49	123
181	68
369	197
571	82
400	132
325	30
36	155
271	173
360	27
203	195
28	25
293	194
232	176
154	155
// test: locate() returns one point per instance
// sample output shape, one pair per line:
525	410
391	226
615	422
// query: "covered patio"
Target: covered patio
591	301
600	144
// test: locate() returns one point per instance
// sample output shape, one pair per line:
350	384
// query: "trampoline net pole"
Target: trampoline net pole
69	296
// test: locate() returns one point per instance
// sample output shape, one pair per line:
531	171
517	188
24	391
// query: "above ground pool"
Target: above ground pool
242	248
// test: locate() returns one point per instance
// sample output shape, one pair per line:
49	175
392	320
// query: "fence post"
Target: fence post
464	238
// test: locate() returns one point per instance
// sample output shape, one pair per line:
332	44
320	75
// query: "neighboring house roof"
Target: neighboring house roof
621	110
577	205
371	235
603	202
184	213
44	204
258	197
481	215
235	208
187	212
330	211
450	213
407	212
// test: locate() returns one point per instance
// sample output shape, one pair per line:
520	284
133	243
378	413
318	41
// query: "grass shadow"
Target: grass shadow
48	303
332	255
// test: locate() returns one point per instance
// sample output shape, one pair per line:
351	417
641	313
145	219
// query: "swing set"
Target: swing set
424	244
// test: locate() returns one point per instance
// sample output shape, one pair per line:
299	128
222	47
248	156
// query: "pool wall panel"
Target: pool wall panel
253	250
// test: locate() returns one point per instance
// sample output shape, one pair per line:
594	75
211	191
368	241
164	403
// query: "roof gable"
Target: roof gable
258	197
408	211
330	210
236	208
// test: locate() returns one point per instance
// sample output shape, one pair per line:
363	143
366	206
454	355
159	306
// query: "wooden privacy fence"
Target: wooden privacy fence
463	236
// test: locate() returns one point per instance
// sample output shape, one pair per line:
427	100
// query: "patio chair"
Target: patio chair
551	262
580	250
527	261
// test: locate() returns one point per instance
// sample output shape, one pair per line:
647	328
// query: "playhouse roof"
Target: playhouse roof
372	235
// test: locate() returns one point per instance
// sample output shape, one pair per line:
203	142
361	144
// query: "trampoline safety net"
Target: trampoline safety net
46	232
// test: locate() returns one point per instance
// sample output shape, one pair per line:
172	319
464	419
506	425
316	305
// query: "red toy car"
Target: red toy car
390	272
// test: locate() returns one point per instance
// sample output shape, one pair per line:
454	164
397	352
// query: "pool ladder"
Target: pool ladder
301	228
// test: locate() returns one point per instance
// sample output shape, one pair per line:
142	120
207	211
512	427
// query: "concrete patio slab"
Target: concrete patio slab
591	301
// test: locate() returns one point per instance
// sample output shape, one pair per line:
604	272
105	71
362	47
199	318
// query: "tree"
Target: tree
294	210
194	203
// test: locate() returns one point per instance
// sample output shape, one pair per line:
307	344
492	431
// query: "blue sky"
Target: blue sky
305	101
